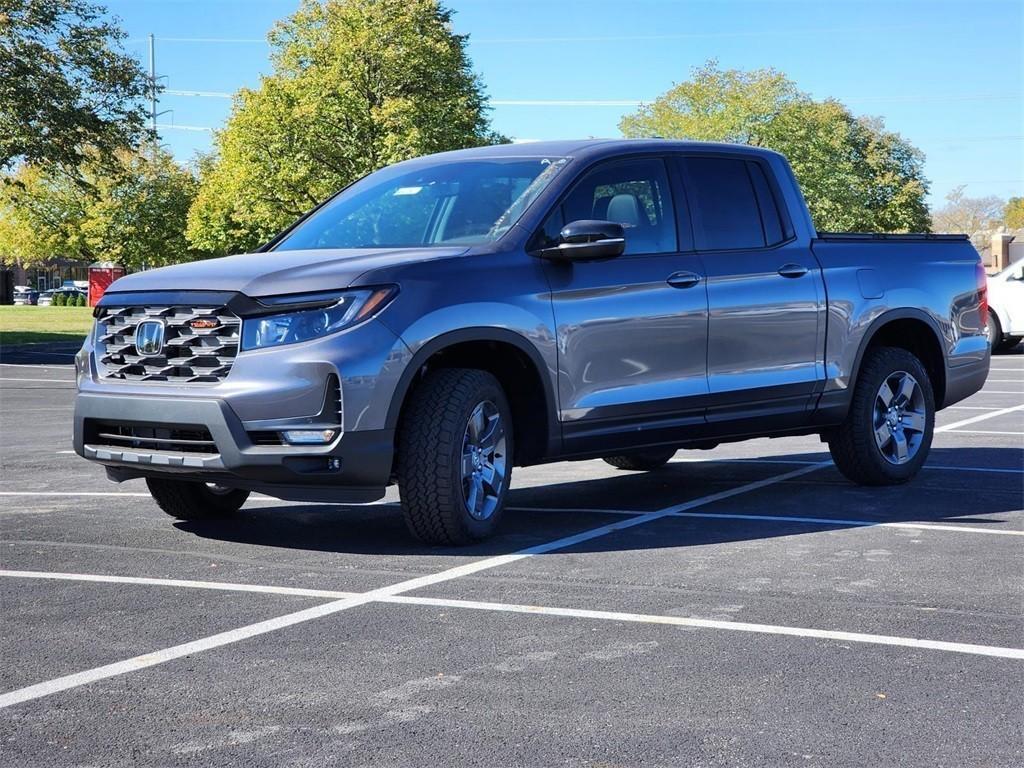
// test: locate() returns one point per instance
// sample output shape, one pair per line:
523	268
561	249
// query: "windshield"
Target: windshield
467	202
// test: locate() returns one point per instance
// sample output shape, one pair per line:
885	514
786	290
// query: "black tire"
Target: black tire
642	461
432	438
853	446
188	500
995	331
1008	343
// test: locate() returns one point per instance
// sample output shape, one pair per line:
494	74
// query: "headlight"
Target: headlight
319	316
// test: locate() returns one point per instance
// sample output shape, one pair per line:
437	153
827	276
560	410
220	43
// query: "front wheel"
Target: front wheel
188	500
455	456
887	433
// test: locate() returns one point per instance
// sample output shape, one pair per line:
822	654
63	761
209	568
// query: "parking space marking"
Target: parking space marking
220	639
75	493
837	522
946	467
47	381
181	583
532	610
852	523
984	432
969	408
734	626
980	417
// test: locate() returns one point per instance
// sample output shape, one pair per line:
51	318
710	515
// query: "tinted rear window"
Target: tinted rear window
723	204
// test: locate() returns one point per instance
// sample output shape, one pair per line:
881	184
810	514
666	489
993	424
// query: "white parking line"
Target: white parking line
980	417
969	408
734	626
75	493
45	381
252	630
951	468
829	521
984	432
532	610
64	367
183	583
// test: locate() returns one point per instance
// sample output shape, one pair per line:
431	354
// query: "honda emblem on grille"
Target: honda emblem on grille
149	338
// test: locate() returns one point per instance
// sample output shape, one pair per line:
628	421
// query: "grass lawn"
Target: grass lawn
27	325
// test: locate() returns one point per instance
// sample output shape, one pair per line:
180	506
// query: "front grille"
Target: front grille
199	344
181	439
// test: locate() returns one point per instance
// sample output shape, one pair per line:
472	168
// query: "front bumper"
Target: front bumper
360	474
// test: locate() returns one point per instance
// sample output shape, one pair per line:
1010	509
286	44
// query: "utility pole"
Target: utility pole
152	84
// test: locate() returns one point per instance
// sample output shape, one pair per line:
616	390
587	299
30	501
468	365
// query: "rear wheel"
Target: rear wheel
642	461
995	331
1008	343
888	431
188	500
455	456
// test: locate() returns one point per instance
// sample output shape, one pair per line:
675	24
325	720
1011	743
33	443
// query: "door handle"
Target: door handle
793	270
683	279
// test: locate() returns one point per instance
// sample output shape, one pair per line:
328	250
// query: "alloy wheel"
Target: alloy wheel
483	461
900	417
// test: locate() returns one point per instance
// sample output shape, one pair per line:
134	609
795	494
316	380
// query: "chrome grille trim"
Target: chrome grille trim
189	355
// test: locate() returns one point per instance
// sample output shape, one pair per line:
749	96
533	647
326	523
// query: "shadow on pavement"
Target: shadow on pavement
548	512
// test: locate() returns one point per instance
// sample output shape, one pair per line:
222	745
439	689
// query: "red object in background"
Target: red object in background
101	275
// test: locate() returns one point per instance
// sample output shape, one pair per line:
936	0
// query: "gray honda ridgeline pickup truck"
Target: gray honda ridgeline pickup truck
447	318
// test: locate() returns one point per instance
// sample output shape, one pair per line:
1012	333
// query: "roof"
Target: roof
594	148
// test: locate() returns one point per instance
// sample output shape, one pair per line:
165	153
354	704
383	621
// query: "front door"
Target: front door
766	296
632	331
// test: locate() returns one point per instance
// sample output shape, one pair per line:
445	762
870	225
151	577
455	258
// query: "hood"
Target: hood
278	272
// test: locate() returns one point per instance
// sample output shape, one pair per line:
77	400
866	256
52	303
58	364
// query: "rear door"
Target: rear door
632	330
766	296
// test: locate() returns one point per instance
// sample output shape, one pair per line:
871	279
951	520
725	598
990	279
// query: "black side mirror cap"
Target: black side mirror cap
587	239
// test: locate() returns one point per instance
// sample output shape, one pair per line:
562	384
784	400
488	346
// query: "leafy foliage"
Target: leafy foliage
854	173
357	84
978	217
1013	214
66	87
133	214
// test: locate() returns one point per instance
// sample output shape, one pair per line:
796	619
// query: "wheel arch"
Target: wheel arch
517	365
912	330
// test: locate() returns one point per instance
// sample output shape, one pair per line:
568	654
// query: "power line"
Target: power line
638	102
172	126
205	94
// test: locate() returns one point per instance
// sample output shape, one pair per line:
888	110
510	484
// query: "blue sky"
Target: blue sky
947	75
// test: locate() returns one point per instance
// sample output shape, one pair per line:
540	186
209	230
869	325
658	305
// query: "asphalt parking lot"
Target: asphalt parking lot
742	607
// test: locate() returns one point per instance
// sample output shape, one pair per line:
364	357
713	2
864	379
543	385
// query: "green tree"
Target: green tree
1013	214
356	85
66	86
854	174
133	214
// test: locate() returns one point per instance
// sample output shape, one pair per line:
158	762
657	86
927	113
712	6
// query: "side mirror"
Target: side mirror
587	239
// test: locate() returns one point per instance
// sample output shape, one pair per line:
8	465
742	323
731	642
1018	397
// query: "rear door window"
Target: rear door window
723	204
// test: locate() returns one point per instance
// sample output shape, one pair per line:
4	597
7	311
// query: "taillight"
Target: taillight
979	272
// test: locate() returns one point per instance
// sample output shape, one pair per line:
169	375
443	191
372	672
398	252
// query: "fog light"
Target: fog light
309	436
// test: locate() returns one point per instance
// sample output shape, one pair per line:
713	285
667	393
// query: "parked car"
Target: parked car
46	297
25	295
447	318
1006	307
